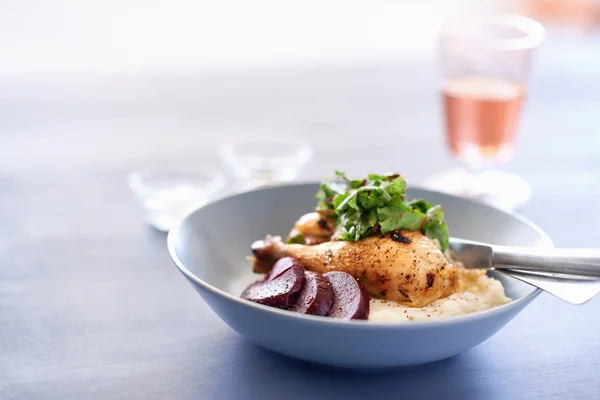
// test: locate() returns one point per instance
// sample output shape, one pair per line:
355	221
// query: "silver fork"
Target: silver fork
570	274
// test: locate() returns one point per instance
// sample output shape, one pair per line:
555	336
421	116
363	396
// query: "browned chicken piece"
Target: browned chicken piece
408	268
314	228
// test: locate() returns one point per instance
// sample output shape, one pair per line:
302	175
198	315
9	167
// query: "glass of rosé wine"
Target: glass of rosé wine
485	63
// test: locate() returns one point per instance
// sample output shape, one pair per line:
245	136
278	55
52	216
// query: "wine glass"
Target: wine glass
485	63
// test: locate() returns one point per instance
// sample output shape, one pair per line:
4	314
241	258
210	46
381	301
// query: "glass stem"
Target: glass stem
475	173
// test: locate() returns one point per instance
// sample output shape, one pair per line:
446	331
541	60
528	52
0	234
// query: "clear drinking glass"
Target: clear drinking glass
485	62
255	163
167	193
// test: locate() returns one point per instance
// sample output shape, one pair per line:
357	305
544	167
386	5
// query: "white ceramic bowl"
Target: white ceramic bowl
211	244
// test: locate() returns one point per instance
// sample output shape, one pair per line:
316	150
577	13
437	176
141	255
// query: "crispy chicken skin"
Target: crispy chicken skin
314	228
409	268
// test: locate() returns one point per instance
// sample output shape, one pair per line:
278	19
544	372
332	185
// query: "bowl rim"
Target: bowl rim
172	239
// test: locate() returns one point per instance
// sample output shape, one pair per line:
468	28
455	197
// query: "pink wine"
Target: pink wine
481	117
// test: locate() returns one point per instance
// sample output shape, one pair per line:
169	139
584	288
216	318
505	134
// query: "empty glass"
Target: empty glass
262	162
169	193
485	62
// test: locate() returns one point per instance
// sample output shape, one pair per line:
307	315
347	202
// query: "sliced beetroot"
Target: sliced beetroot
350	299
316	297
283	265
279	291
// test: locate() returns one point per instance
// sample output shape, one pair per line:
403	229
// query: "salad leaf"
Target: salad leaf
296	239
325	197
378	204
420	205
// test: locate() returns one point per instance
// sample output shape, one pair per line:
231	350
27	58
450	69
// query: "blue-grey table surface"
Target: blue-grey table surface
91	306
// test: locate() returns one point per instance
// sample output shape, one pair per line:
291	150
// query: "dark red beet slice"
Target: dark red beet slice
280	291
316	297
350	299
283	265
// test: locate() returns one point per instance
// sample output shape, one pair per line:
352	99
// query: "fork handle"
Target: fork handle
584	262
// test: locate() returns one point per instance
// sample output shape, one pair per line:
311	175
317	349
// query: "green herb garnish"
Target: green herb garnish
377	204
296	239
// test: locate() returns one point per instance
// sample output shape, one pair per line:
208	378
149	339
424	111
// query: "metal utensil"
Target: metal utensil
569	274
583	262
572	289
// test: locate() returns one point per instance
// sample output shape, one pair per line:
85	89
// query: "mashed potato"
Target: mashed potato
478	292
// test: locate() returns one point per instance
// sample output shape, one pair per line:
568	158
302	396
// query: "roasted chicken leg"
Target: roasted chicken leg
407	267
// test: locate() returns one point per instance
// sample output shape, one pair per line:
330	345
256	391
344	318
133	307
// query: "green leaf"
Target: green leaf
339	199
435	213
352	202
375	177
438	231
354	184
357	183
385	197
372	200
419	205
405	220
396	187
346	237
359	206
325	197
343	206
388	177
393	208
373	220
296	239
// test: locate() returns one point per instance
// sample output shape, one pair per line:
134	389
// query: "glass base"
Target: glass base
497	188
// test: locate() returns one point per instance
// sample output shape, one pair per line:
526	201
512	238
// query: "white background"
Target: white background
80	37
